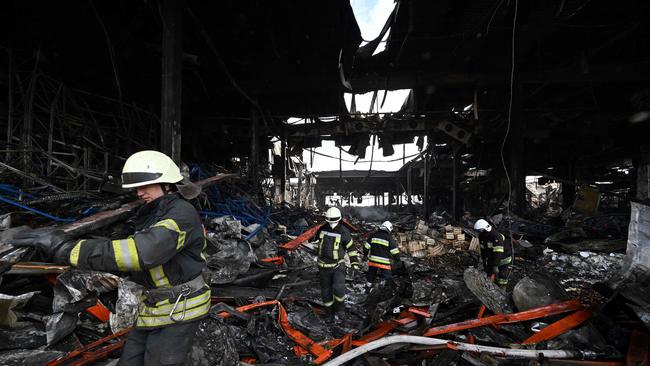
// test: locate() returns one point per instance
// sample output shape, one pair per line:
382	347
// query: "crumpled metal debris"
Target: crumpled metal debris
126	306
233	257
76	285
8	306
31	357
59	325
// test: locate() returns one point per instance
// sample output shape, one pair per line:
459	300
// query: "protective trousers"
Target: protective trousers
385	274
504	273
168	345
332	286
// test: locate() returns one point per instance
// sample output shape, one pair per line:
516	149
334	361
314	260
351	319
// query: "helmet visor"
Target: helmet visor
139	177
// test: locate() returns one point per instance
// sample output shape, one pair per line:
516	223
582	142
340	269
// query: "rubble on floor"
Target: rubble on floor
267	305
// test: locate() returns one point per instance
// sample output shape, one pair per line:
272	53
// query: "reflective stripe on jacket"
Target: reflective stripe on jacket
333	244
380	247
495	251
166	250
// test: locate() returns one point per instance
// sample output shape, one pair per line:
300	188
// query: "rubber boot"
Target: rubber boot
329	314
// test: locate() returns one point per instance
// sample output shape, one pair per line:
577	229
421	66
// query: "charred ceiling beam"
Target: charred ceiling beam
414	79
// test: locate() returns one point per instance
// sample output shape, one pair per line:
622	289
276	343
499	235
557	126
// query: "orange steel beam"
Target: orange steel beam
305	342
561	326
90	358
637	352
295	243
81	350
273	260
349	225
250	307
420	312
535	313
382	329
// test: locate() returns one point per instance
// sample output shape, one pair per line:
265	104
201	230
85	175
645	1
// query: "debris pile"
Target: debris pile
439	305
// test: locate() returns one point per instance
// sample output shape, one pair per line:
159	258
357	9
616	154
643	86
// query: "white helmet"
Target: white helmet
386	225
481	225
149	167
333	216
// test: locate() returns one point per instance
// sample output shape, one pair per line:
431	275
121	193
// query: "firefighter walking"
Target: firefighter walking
496	254
334	241
380	248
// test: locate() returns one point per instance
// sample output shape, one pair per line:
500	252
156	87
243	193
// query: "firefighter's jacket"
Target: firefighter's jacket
333	244
166	250
379	248
494	249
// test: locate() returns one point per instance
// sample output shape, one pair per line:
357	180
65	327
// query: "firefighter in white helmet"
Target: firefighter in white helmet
380	248
165	255
334	241
496	255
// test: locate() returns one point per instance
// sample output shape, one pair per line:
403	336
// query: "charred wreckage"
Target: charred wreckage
517	234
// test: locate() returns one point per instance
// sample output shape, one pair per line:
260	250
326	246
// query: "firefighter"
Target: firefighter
334	241
379	249
165	255
496	255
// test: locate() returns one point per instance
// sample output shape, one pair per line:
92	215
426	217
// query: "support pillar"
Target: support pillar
643	174
427	205
10	105
172	76
409	187
254	154
454	184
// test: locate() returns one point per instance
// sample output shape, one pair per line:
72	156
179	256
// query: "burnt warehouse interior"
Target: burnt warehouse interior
361	182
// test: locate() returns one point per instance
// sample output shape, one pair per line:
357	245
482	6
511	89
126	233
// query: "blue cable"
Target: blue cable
44	214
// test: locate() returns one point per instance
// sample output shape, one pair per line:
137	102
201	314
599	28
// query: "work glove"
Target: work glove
48	240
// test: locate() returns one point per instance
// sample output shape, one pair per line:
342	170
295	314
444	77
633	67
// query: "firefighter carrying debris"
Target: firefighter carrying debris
334	240
496	255
165	255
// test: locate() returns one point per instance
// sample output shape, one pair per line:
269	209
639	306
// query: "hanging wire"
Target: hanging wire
505	138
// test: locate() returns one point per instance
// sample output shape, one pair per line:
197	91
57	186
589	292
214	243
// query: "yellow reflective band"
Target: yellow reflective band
328	303
498	249
74	254
353	253
366	245
380	241
158	276
205	244
165	306
505	261
394	251
349	244
378	259
503	237
173	226
126	255
157	321
329	265
489	245
339	299
502	281
337	243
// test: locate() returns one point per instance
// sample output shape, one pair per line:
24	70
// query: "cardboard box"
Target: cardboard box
450	236
460	237
458	231
449	228
421	227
